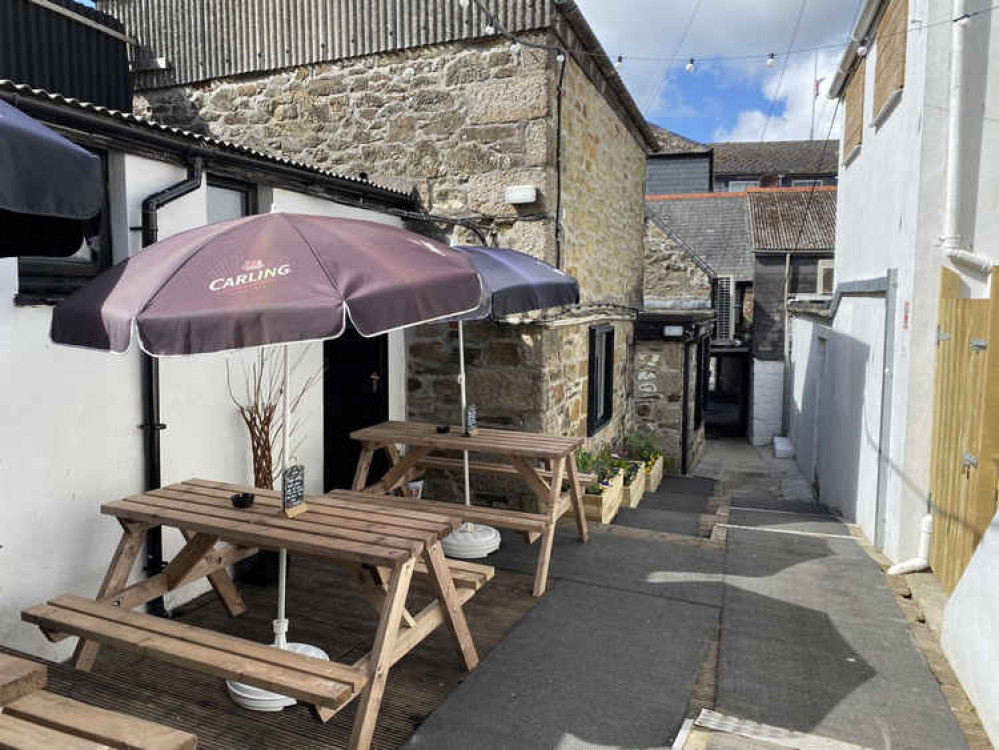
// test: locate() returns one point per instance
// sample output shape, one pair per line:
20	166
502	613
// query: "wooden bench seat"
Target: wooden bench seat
326	685
466	575
514	520
487	467
106	728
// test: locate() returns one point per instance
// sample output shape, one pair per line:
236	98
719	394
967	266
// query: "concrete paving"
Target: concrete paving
810	638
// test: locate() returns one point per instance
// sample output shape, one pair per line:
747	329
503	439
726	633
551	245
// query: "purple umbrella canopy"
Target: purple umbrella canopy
268	279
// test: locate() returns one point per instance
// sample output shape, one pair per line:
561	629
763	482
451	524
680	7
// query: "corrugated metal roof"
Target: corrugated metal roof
142	123
206	39
793	219
44	48
714	226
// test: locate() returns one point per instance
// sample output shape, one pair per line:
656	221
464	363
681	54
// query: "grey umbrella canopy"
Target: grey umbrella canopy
269	279
515	282
49	188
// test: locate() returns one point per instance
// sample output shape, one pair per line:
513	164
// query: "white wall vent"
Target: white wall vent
825	277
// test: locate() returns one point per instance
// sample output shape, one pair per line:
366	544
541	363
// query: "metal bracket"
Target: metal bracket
969	461
156	426
979	345
942	335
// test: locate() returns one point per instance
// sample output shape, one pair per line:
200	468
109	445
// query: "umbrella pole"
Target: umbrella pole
281	623
464	404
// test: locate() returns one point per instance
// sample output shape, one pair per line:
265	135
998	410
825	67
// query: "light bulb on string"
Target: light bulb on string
560	58
463	3
619	63
690	65
490	29
771	60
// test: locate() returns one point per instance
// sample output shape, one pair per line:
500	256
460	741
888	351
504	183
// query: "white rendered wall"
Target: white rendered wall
69	437
767	399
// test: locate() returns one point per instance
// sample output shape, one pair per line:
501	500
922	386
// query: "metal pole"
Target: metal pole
281	623
464	403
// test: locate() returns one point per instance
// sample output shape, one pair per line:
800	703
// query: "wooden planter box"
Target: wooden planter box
655	475
633	493
603	508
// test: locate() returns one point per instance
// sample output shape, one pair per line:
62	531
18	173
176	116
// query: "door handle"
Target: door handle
375	379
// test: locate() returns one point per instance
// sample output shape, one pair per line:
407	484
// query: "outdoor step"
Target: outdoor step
323	683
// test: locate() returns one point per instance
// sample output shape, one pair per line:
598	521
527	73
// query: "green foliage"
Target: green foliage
642	448
603	463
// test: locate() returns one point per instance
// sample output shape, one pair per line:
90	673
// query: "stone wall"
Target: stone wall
659	394
670	273
458	123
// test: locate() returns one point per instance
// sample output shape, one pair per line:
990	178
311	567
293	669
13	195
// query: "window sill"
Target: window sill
889	106
37	299
850	157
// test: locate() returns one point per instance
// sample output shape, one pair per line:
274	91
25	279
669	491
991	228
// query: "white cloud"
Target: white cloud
726	28
791	117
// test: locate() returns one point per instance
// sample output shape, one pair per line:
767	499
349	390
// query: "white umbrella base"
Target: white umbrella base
257	699
471	542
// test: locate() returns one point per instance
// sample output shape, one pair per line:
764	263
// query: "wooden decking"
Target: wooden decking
326	610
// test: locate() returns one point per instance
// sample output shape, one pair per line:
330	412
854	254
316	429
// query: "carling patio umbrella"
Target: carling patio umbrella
49	188
512	282
271	279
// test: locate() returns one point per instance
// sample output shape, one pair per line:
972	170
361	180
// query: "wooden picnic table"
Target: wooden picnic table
387	545
31	718
519	455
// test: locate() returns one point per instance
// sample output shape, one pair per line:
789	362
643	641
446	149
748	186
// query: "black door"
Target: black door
355	395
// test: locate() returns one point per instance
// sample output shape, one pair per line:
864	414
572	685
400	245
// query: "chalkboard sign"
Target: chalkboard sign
293	489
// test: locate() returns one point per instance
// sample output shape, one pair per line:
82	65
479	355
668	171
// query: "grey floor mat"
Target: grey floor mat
589	667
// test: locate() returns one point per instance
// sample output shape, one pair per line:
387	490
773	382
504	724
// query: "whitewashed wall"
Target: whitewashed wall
767	401
69	437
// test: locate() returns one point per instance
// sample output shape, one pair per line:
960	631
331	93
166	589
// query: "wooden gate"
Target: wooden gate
965	426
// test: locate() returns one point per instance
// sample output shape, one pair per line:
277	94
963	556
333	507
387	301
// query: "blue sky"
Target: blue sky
726	100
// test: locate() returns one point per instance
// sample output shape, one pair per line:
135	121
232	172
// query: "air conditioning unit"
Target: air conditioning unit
824	277
725	308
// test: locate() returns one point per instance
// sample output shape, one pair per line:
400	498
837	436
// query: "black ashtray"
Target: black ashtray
242	500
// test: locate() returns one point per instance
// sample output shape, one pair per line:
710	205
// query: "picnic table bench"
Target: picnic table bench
32	718
391	545
519	453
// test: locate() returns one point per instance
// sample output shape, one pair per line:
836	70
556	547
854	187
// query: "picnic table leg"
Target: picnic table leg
548	538
576	495
454	616
129	545
397	474
224	588
381	655
363	466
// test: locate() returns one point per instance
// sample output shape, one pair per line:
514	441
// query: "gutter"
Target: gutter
858	37
151	135
150	369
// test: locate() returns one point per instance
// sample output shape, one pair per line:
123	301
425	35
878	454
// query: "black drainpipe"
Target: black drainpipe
150	367
684	417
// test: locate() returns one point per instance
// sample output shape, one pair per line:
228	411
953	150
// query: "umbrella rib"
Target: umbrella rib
319	261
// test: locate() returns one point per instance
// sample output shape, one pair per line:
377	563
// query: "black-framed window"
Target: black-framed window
600	388
229	199
50	279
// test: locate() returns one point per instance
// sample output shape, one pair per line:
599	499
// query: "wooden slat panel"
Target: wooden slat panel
503	442
98	724
966	401
506	519
16	734
255	534
853	115
889	68
484	467
297	684
18	677
219	641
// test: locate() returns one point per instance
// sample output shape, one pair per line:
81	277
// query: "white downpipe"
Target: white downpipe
922	560
281	623
951	237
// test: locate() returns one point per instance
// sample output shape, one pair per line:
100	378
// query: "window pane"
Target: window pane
739	186
226	203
